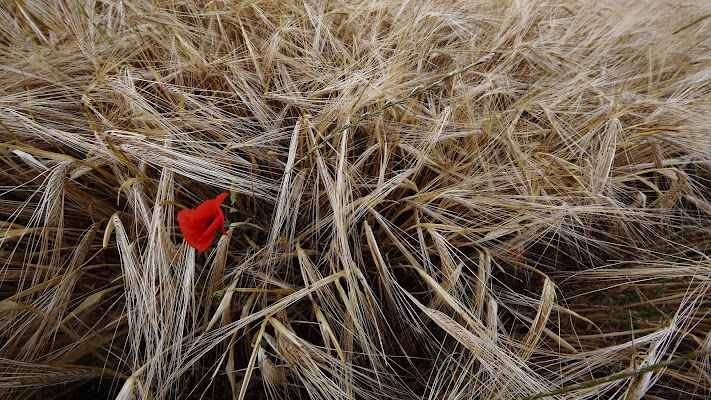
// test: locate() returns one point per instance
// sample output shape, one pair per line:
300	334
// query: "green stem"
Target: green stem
692	23
620	375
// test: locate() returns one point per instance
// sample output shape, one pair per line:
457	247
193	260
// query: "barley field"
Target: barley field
455	199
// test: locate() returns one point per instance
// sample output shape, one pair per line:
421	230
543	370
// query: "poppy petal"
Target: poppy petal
200	224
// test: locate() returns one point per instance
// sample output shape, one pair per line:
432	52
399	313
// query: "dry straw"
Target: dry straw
454	199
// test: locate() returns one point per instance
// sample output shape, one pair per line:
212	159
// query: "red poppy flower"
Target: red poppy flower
515	252
199	225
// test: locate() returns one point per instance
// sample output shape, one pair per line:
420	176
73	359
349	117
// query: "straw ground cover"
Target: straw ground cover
432	200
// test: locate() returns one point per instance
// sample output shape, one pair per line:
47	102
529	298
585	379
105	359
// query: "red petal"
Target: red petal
194	223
